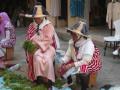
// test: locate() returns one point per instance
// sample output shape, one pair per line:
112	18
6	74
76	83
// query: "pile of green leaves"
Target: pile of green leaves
59	83
18	82
29	46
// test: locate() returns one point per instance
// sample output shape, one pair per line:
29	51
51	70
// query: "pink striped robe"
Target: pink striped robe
95	64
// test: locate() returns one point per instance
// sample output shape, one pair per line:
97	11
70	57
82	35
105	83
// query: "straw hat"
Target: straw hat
38	12
79	28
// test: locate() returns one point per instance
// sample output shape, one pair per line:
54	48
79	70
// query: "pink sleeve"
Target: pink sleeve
48	32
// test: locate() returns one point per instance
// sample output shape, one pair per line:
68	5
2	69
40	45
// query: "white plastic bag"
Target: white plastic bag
15	67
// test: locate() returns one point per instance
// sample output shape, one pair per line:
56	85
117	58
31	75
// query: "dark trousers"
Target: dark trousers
82	79
69	79
40	80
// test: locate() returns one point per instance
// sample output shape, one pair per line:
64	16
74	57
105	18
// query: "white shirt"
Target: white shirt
85	52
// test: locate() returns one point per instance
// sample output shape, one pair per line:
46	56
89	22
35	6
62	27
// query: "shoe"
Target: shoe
67	85
115	52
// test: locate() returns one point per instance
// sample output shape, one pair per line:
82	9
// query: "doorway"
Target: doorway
63	17
97	15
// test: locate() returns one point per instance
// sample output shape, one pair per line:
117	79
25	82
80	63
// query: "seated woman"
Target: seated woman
7	33
82	56
42	34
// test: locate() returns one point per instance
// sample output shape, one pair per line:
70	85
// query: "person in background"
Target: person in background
7	35
42	34
82	57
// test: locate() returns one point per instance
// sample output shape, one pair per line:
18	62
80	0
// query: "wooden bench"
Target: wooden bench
9	53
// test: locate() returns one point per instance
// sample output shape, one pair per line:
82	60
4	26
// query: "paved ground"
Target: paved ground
110	73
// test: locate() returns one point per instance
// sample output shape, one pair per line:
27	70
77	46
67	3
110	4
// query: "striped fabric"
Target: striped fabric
29	58
95	65
30	31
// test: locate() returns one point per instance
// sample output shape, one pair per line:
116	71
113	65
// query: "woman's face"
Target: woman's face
38	20
74	36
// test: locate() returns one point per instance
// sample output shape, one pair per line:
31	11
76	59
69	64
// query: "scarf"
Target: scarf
80	42
5	20
44	22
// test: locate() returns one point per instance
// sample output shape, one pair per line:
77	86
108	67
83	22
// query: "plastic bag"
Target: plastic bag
65	88
15	67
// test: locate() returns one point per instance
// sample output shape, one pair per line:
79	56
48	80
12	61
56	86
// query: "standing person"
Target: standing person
7	33
42	34
82	56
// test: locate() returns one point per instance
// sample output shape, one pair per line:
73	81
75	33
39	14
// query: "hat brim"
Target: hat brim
39	16
74	31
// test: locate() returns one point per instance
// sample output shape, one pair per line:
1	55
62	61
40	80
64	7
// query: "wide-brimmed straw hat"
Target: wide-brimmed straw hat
38	11
79	28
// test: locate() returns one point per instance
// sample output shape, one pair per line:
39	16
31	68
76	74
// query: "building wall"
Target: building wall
70	20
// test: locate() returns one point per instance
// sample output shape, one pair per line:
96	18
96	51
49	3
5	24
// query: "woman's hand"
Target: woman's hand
63	68
68	66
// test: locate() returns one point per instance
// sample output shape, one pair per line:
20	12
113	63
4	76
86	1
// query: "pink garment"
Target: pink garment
42	62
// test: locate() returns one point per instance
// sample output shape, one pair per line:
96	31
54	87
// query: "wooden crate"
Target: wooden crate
93	79
9	53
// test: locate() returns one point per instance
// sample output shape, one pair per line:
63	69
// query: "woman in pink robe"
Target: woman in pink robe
40	65
44	55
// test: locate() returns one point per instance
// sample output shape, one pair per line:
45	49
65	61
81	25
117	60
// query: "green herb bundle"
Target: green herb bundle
29	46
